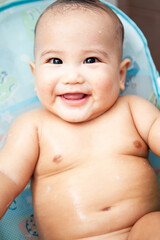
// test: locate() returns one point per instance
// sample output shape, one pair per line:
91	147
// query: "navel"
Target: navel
58	158
137	144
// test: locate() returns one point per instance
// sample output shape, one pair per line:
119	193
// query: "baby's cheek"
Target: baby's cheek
45	87
104	86
44	95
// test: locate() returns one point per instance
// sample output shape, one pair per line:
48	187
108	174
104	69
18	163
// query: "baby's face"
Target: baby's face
77	70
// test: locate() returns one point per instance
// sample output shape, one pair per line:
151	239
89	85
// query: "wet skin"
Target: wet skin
93	184
87	149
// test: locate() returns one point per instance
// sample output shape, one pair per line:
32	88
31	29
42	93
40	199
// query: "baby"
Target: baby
87	149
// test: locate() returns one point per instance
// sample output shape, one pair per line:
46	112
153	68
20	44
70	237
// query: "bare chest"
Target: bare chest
67	146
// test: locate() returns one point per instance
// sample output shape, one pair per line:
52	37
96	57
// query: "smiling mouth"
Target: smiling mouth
74	98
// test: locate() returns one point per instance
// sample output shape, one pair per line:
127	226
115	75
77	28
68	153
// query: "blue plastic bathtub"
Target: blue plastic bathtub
17	21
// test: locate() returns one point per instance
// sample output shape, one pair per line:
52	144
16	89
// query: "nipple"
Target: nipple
58	158
106	209
137	144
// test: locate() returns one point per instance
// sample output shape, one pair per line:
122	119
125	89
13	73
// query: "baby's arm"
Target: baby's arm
147	121
18	158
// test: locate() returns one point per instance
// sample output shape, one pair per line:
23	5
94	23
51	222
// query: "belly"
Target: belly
94	199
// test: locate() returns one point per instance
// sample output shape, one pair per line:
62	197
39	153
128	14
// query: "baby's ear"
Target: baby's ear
32	67
124	65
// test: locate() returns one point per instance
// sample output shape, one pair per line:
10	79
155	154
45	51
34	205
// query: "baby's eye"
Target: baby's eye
55	61
91	60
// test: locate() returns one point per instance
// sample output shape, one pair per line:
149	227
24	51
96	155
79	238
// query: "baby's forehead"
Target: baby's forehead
103	21
59	12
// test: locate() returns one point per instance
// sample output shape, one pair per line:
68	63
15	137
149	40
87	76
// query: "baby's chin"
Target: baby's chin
74	116
78	117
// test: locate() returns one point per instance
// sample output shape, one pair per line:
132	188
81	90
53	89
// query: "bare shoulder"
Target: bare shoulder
40	112
33	117
128	99
141	104
140	109
131	99
143	113
25	125
32	122
137	103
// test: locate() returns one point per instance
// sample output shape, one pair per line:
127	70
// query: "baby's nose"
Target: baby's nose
73	78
